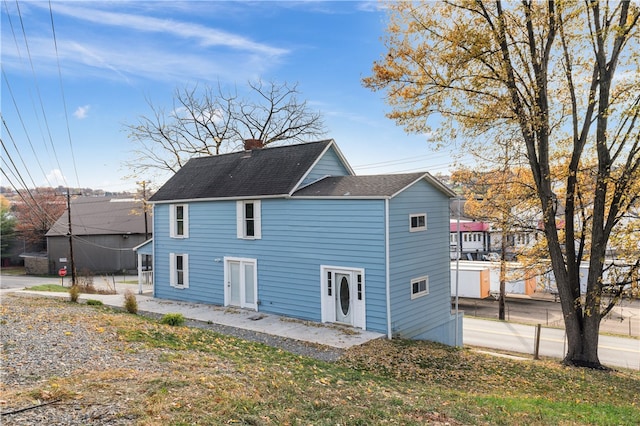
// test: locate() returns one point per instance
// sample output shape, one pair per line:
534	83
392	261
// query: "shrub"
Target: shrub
94	302
74	293
172	319
130	302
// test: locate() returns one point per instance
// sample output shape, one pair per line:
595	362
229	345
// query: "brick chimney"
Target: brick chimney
250	144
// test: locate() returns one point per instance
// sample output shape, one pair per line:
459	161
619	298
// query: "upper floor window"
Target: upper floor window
417	222
248	217
179	217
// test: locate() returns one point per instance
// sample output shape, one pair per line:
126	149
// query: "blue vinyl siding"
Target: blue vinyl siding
417	254
298	236
329	165
209	231
147	248
304	234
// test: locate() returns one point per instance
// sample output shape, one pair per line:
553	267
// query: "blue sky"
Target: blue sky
65	99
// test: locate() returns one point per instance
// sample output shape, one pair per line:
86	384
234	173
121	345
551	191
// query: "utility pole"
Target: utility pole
144	208
73	265
146	226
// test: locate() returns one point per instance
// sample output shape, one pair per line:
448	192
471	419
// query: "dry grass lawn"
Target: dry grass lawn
194	376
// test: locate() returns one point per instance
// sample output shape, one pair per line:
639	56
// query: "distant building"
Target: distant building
105	230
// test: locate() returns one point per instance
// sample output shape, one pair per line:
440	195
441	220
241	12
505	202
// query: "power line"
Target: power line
4	123
15	104
393	162
37	86
64	102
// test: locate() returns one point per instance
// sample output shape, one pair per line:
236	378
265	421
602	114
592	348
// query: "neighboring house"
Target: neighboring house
482	240
105	230
291	231
475	237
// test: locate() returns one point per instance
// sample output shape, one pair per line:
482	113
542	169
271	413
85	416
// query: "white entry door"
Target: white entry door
343	298
241	287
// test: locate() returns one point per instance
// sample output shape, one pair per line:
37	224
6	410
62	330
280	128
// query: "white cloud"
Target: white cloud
174	51
56	178
204	35
81	112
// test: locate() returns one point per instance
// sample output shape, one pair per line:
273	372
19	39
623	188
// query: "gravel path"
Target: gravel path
41	340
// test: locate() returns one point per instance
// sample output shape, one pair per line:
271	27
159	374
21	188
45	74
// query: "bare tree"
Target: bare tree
213	120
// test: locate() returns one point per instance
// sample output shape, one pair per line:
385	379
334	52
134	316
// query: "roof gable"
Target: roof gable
383	186
256	173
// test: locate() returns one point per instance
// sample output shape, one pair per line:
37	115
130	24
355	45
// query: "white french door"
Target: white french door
241	283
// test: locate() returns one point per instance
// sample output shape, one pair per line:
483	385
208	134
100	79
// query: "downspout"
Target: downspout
458	254
387	272
153	250
139	273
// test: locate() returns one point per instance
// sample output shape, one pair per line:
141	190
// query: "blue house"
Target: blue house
292	231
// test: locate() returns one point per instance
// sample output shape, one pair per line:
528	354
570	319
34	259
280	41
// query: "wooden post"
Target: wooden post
536	350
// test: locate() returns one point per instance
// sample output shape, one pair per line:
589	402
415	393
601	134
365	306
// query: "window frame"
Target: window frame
174	221
242	220
174	272
419	292
418	227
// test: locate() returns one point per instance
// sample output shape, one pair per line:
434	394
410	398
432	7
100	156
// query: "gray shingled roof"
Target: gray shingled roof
101	216
259	172
359	186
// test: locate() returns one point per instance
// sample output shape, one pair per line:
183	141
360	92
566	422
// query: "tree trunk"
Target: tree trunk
582	341
582	320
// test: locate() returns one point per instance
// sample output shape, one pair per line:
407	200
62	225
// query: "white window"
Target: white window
417	222
179	217
179	270
248	217
419	287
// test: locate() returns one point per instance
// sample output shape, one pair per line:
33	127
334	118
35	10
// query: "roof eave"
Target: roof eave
434	182
236	198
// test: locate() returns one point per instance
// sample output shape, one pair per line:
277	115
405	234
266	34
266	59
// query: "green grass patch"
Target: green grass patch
57	288
174	319
524	409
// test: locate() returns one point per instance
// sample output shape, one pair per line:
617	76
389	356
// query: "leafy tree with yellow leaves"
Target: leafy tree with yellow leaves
500	194
7	224
563	76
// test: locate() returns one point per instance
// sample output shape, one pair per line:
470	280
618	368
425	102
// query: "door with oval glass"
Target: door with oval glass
343	299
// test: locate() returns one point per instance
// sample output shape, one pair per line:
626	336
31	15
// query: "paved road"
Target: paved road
23	281
613	351
12	282
623	320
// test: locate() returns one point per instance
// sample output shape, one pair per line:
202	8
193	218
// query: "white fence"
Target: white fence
145	281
